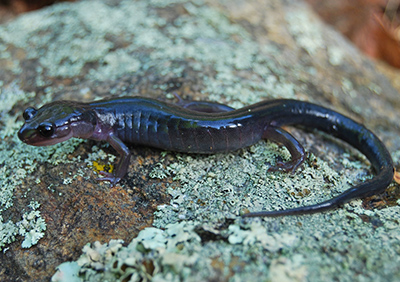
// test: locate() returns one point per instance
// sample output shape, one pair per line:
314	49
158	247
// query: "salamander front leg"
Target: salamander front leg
123	164
278	135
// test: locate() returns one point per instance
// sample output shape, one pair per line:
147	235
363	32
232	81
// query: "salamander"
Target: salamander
206	128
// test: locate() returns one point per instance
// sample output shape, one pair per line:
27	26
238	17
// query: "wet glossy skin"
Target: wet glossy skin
204	127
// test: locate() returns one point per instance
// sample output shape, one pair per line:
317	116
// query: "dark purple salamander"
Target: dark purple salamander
206	128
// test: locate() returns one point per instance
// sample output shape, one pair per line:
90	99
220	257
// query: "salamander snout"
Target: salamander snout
36	135
24	134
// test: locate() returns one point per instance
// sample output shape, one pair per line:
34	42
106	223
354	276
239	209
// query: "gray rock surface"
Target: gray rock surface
234	52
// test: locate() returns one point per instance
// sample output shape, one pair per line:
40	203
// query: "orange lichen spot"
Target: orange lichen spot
140	161
100	166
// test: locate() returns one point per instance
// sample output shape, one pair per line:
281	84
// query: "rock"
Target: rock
234	52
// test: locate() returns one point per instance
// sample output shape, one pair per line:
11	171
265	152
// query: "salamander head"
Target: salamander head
56	122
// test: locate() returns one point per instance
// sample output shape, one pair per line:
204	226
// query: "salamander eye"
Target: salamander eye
29	113
46	129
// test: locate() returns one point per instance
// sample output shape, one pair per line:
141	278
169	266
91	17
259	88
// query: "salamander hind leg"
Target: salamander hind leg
296	150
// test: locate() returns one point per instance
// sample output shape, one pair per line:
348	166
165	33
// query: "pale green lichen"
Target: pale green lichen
221	186
8	231
306	29
152	256
9	96
116	64
204	37
273	250
258	234
68	272
175	254
31	226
